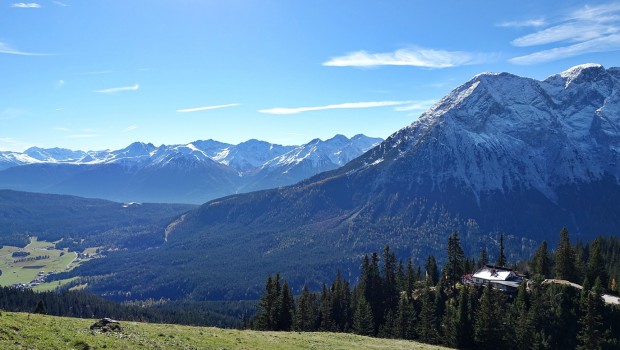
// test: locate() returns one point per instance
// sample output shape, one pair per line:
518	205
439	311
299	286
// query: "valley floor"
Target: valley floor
33	331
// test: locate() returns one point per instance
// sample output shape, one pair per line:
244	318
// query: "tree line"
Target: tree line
393	299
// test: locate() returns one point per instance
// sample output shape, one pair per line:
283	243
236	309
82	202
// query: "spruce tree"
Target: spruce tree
266	307
501	259
541	263
565	258
326	315
432	273
596	264
286	309
590	336
489	320
306	312
363	319
427	320
405	318
455	264
483	259
410	278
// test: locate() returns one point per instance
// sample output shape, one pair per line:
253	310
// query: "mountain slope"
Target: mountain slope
91	222
500	153
191	173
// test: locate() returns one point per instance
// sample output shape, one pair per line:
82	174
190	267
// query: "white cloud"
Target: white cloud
574	31
604	44
416	57
60	83
422	105
134	87
59	3
538	22
588	29
130	128
206	108
349	105
4	48
29	5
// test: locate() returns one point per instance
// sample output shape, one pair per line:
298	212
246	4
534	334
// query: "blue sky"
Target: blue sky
98	74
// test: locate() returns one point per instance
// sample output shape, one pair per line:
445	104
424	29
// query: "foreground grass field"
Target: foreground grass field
32	331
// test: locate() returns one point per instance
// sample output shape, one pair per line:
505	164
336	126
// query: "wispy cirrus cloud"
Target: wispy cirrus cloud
60	3
7	49
421	105
206	108
114	90
27	5
130	128
585	30
537	22
414	56
348	105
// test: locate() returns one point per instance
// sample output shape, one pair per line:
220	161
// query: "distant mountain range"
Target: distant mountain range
192	173
499	154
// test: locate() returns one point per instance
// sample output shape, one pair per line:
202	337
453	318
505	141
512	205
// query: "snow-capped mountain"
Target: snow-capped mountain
500	153
192	173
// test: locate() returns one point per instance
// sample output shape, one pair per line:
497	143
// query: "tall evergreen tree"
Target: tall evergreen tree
489	320
454	268
341	303
596	264
390	293
565	258
363	319
286	308
266	307
501	259
306	312
404	322
410	278
326	316
541	264
427	320
483	259
590	337
432	272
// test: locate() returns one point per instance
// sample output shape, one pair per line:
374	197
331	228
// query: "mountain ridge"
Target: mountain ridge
186	173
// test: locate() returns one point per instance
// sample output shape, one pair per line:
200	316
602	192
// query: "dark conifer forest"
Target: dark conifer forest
393	299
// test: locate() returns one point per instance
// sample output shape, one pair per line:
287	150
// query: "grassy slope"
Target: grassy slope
31	331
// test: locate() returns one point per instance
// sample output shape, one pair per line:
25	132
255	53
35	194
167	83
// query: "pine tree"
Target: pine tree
326	316
286	309
462	335
432	273
501	260
523	330
489	319
266	307
306	312
541	263
565	258
341	303
590	337
410	278
596	264
427	320
390	293
483	259
41	308
405	318
363	319
455	264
